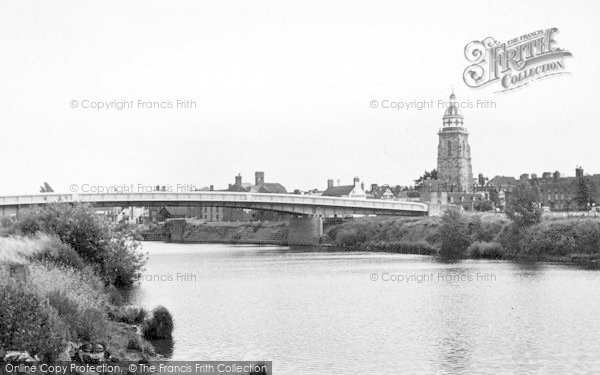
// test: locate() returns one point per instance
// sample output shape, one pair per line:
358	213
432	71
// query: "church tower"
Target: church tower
454	153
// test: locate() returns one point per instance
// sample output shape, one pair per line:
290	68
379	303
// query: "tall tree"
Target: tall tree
523	206
433	175
584	191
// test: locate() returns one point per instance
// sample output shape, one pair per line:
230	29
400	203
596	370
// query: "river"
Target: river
326	312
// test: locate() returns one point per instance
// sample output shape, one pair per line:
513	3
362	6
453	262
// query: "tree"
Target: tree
584	190
495	197
454	234
485	205
115	257
433	175
523	206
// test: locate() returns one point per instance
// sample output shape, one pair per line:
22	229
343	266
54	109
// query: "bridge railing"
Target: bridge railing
228	197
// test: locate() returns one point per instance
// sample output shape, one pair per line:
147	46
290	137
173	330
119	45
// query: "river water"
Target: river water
325	312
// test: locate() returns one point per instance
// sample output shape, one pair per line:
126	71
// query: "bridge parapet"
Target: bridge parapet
291	203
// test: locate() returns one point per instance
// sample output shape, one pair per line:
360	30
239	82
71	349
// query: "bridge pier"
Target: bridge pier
305	230
177	230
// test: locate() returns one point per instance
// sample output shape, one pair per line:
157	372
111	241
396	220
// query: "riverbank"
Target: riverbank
566	240
62	273
198	231
53	311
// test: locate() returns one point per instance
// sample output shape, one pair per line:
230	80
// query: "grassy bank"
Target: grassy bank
61	270
474	235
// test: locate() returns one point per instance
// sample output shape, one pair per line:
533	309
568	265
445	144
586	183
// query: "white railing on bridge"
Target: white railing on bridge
212	197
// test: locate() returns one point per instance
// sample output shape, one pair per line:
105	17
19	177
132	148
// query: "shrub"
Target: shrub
59	253
159	324
29	324
485	227
350	238
123	262
480	249
78	297
84	323
562	237
400	247
129	314
510	237
454	235
115	257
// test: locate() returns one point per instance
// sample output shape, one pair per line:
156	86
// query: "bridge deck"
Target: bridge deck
290	203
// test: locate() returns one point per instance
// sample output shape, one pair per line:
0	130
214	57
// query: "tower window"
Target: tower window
449	148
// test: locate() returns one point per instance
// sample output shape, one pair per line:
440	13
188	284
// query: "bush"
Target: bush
115	257
59	253
562	237
123	262
78	297
454	235
29	324
129	314
350	238
510	237
159	324
480	249
84	323
400	247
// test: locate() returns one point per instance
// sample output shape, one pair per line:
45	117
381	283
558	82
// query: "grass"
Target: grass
59	303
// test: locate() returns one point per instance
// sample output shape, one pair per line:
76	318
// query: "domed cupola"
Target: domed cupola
453	116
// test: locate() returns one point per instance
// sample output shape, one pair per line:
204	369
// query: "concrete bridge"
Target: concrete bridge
305	226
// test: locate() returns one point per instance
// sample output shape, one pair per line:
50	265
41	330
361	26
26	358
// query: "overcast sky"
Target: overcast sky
280	86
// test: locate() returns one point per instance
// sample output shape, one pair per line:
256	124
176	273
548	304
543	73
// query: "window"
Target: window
449	149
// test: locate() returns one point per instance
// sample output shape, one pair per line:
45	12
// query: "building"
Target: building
560	193
381	192
454	168
356	190
454	184
260	186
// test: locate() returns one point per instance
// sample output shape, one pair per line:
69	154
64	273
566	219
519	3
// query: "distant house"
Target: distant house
381	192
260	186
345	191
269	188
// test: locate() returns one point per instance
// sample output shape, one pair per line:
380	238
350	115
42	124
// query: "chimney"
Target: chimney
356	181
238	180
578	172
373	187
212	187
259	178
329	183
338	182
556	175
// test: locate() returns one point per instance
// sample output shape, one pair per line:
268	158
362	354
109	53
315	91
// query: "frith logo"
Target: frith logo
514	63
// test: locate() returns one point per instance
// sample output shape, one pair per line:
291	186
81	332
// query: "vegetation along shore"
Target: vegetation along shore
63	270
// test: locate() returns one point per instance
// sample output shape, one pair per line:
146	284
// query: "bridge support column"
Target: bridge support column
305	230
177	230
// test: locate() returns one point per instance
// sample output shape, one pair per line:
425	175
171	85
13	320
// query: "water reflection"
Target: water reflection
322	312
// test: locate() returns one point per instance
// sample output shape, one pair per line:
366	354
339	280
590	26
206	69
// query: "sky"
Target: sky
284	87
